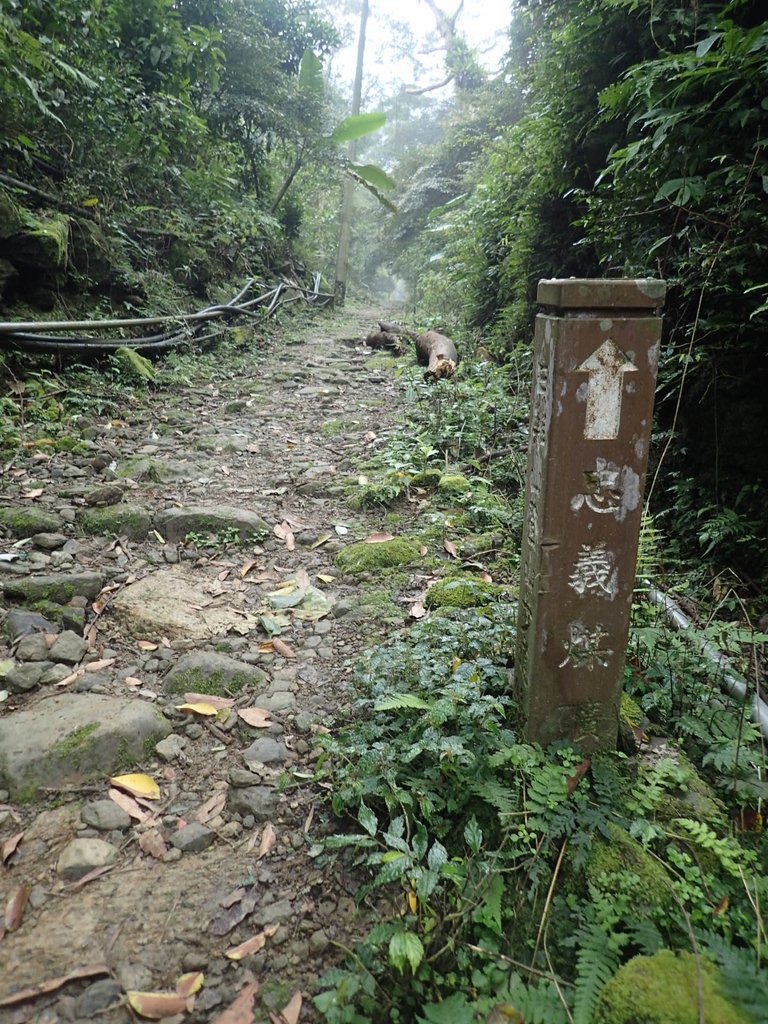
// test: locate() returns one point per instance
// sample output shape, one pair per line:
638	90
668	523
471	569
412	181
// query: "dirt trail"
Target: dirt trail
261	450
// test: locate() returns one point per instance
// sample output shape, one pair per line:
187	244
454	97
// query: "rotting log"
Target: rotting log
437	353
385	340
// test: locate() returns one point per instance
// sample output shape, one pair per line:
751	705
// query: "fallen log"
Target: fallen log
385	340
437	353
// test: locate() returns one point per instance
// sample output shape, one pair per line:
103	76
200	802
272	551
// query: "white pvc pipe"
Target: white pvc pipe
732	681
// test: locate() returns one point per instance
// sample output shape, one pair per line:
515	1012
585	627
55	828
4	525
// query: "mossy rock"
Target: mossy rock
696	800
464	592
215	674
453	483
66	616
387	554
664	989
91	251
131	521
26	522
479	544
622	857
43	246
10	220
428	478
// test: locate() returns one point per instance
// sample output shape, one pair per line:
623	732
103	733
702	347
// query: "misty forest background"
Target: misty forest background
617	137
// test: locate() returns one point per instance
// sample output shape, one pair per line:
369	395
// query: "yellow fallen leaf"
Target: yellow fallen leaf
320	541
290	1013
199	709
189	984
137	785
208	698
252	945
324	578
146	645
413	901
156	1005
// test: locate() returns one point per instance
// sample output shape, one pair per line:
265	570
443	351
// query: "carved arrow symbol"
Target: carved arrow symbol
606	368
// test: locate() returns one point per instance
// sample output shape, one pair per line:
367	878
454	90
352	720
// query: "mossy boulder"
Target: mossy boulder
10	219
190	265
26	522
622	858
42	245
65	616
453	483
428	478
91	251
464	592
131	521
664	989
387	554
215	674
59	589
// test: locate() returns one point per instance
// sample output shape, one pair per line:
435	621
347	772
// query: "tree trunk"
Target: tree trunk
342	257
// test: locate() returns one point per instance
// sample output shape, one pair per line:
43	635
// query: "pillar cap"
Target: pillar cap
601	293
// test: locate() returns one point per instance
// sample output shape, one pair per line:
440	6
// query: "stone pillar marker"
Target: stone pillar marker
596	351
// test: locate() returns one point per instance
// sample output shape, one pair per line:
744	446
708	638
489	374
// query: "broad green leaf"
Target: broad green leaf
706	44
402	700
374	175
132	361
473	835
453	1010
356	126
438	856
405	948
310	74
368	819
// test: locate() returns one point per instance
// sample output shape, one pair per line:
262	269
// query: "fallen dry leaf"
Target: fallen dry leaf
156	1005
146	645
213	806
282	648
203	708
132	681
153	844
128	804
450	547
268	840
325	578
257	718
290	1013
245	569
68	680
285	533
205	698
15	907
418	611
232	916
378	538
370	437
137	785
90	877
33	494
252	945
579	772
90	971
190	984
9	847
96	666
423	550
241	1010
320	541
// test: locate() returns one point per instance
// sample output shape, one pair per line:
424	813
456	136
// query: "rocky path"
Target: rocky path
184	554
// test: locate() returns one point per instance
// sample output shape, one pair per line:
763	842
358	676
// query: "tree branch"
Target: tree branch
430	88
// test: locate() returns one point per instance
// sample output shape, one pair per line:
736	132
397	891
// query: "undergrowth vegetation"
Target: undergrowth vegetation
503	882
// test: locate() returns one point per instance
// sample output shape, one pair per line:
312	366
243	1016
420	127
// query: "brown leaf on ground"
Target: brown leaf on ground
128	804
53	984
223	923
202	708
146	645
257	718
157	1005
10	846
152	843
282	648
245	569
578	774
33	494
378	538
213	805
96	666
90	877
284	532
15	907
268	840
68	680
215	702
241	1010
423	550
252	945
450	547
418	611
290	1013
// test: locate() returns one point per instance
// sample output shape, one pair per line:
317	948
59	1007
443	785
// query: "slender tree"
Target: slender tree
342	258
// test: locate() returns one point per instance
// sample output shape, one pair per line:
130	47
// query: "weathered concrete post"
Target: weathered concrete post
595	357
